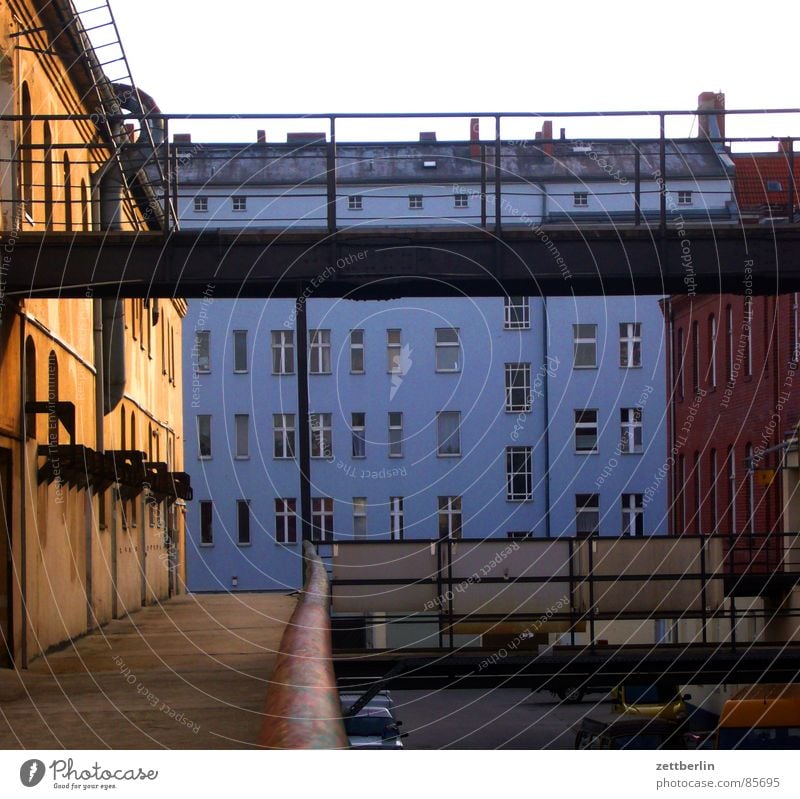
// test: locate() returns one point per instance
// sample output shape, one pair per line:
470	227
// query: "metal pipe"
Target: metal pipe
303	710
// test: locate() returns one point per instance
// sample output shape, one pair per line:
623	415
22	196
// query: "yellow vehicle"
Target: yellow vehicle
761	717
650	700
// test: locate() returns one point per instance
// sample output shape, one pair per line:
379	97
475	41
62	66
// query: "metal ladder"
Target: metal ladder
96	29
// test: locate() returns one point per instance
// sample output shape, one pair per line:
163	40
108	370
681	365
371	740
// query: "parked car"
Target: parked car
650	700
374	726
761	717
629	734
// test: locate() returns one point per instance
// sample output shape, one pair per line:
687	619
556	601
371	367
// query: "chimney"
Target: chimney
785	145
261	136
547	133
474	138
711	125
427	135
563	134
182	138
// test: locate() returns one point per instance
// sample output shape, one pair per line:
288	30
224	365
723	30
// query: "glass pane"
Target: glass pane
447	359
240	350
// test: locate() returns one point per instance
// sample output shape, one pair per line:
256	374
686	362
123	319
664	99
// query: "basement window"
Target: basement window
201	205
684	198
580	199
239	203
355	202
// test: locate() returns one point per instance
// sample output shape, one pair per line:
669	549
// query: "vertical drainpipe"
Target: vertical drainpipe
546	399
671	400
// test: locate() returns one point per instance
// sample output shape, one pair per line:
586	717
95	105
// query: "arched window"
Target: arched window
749	498
84	206
122	438
52	399
67	193
732	491
711	374
698	494
133	431
47	141
713	493
150	442
26	189
30	385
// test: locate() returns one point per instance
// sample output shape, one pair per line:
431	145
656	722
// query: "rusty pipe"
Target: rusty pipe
303	710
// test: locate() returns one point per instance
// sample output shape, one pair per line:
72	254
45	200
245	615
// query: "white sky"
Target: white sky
251	56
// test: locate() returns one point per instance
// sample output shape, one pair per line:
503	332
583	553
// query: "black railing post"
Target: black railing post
703	589
572	609
450	618
498	224
303	418
637	187
590	543
662	166
331	177
167	181
483	186
791	181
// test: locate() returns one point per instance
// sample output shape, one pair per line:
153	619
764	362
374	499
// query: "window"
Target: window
322	518
684	198
396	525
580	199
729	343
517	314
239	351
698	501
519	482
242	435
711	374
461	200
679	361
357	426
286	521
448	350
415	202
394	353
630	440
448	423
201	205
794	335
748	333
630	345
395	434
202	349
586	430
584	338
282	352
750	498
204	435
359	517
682	489
518	387
283	435
67	193
695	357
732	490
713	491
355	202
320	352
357	352
633	514
243	517
206	519
239	203
449	517
321	435
587	514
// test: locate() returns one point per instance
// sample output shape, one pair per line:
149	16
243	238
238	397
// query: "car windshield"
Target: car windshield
649	694
369	726
759	738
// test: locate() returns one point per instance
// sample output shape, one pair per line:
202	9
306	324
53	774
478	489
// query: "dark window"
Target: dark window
206	517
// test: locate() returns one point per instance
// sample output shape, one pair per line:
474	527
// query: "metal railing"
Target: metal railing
303	710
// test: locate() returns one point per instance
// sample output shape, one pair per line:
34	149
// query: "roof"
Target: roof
762	181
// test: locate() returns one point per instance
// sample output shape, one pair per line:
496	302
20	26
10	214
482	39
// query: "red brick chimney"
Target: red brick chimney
182	138
547	133
784	145
710	101
261	136
474	138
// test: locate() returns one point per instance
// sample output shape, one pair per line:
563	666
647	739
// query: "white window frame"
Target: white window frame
396	442
631	429
581	339
319	352
359	517
357	346
582	425
394	350
444	443
587	506
518	395
630	335
358	434
516	313
242	432
355	202
633	514
415	202
322	519
519	463
201	417
283	348
321	435
461	200
444	347
285	519
202	344
396	519
685	197
201	204
238	203
239	348
580	199
450	516
283	436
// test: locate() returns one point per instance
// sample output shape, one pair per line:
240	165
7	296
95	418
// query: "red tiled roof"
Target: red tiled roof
762	180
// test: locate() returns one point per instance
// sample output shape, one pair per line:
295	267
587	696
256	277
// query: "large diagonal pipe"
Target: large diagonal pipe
303	710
